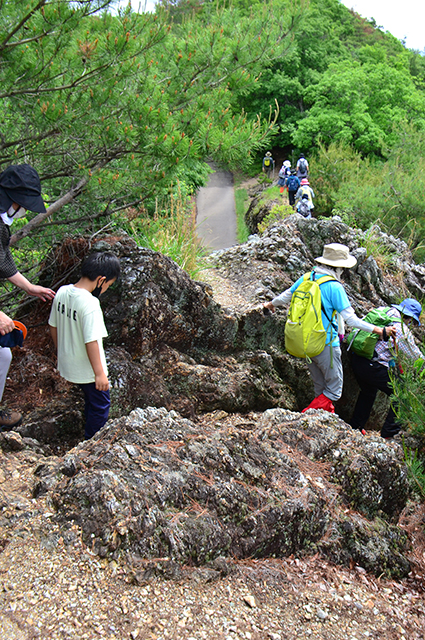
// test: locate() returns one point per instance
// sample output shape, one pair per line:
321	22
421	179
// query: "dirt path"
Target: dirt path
216	214
53	587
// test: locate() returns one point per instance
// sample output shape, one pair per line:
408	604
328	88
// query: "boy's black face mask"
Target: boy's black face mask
97	291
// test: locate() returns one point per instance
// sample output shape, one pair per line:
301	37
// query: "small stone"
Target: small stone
322	615
250	601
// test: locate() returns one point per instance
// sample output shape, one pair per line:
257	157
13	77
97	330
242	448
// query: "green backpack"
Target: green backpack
364	343
305	336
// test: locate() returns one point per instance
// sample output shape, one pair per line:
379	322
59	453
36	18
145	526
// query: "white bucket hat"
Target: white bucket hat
337	255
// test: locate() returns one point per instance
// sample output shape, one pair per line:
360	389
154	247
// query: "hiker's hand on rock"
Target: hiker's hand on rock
6	324
268	308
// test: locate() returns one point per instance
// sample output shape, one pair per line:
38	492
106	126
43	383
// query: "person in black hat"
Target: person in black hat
20	190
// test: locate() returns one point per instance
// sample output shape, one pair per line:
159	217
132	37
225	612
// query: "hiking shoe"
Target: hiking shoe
9	419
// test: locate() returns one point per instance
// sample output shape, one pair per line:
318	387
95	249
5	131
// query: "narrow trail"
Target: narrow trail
216	214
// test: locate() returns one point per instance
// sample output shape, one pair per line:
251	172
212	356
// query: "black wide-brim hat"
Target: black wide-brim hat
20	183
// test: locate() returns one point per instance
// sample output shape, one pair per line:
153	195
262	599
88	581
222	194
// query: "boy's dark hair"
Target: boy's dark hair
101	264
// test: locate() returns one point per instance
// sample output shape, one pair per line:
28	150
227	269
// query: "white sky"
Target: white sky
405	19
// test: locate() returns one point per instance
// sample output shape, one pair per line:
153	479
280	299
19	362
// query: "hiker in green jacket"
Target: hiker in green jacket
373	375
326	368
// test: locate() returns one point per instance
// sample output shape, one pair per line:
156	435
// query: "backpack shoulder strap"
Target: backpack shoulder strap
321	280
386	309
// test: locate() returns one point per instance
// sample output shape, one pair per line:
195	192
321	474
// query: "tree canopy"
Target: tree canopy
342	79
115	108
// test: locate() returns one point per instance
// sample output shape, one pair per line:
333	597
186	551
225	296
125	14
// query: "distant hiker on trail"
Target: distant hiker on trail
268	164
302	167
77	328
20	191
304	199
326	367
281	182
374	374
293	184
304	206
284	172
287	167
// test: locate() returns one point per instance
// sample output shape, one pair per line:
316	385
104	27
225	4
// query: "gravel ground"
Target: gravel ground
54	587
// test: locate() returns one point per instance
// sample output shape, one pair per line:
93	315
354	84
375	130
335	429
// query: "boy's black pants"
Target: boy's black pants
97	405
372	376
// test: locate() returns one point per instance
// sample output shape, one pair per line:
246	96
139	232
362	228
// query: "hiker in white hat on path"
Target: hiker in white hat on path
326	368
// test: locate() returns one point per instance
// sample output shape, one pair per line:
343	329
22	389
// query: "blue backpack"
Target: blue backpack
292	183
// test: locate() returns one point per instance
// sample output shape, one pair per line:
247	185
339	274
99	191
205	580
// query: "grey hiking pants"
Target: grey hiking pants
327	379
5	360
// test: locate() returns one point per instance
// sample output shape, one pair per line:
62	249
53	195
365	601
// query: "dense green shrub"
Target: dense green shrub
409	405
366	191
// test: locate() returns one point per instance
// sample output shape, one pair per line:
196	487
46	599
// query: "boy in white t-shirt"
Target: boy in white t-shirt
77	328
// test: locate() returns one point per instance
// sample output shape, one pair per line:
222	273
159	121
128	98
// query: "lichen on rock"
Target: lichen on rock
156	485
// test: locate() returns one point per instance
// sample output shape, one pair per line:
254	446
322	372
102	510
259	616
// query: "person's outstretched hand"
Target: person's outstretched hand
268	307
388	332
41	292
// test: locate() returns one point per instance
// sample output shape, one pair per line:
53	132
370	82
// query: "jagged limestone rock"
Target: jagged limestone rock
156	485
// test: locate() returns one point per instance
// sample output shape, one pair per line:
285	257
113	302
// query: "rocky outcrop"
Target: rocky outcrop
255	478
154	485
259	207
171	344
287	250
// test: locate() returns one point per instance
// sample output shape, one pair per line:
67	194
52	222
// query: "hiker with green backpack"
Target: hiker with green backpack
315	324
268	165
374	362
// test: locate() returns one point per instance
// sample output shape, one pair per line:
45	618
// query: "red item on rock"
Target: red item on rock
321	402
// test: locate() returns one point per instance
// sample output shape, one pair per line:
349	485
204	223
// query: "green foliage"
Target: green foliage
241	205
409	393
170	231
416	470
366	191
341	80
409	406
278	212
263	179
328	39
329	169
112	109
378	249
271	193
361	104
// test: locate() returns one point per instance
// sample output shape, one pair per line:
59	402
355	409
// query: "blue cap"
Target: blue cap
409	307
